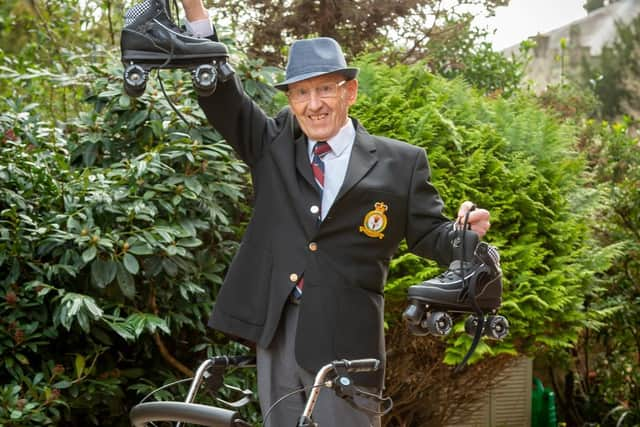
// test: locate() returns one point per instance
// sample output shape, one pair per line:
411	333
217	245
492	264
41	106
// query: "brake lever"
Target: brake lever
246	397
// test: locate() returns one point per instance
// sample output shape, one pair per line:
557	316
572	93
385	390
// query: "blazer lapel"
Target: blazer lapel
303	164
363	158
309	195
291	148
292	161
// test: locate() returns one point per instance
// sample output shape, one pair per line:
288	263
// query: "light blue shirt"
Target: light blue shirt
335	164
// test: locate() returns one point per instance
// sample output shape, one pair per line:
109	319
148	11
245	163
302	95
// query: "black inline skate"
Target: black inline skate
150	40
472	284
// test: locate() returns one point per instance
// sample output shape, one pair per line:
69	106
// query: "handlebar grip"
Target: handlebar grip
239	361
358	365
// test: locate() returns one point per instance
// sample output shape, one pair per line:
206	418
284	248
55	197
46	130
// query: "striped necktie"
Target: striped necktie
317	165
319	150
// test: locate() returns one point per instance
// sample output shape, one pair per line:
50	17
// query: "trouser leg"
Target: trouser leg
279	374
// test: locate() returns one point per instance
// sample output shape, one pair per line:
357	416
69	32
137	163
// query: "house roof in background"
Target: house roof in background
594	31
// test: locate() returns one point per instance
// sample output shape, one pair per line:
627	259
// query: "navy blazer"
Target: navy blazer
386	197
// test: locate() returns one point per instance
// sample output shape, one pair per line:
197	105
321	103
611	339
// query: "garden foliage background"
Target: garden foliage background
118	220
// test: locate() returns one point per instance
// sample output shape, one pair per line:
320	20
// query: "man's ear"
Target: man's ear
352	91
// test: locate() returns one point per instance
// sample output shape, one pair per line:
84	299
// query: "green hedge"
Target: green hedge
513	158
519	160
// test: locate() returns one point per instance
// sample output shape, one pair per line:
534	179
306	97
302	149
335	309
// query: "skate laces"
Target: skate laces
462	270
184	30
469	291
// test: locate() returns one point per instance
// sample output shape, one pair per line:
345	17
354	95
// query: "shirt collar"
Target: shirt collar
340	142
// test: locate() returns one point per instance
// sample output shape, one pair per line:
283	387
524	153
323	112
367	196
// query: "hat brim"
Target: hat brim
350	74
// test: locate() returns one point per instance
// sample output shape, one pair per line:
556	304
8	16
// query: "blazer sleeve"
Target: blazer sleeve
241	122
428	230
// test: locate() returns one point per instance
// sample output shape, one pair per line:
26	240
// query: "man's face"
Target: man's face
321	104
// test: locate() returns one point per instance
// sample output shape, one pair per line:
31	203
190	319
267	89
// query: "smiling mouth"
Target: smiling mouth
318	117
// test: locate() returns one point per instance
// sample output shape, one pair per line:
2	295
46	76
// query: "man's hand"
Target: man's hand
478	218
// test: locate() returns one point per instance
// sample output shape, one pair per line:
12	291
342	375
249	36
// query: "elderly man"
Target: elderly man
332	203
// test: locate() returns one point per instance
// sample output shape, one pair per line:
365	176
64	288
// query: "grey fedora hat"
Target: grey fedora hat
314	57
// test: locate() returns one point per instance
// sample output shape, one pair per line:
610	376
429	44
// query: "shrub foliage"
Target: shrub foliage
518	160
115	230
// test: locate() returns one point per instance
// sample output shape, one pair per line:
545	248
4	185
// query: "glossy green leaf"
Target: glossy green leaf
89	254
131	263
126	282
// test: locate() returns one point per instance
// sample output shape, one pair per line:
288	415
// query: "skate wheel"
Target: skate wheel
135	80
438	323
226	71
497	327
205	79
471	325
414	313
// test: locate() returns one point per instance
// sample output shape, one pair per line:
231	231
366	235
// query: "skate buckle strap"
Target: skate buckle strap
471	294
479	327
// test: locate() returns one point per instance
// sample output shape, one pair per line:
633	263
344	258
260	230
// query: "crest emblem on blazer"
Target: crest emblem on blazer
375	221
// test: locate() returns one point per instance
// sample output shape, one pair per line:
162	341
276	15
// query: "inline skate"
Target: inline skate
150	40
471	285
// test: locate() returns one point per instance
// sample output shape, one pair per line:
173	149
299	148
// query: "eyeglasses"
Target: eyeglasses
324	91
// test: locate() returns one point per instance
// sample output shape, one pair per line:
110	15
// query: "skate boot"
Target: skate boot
150	40
472	284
